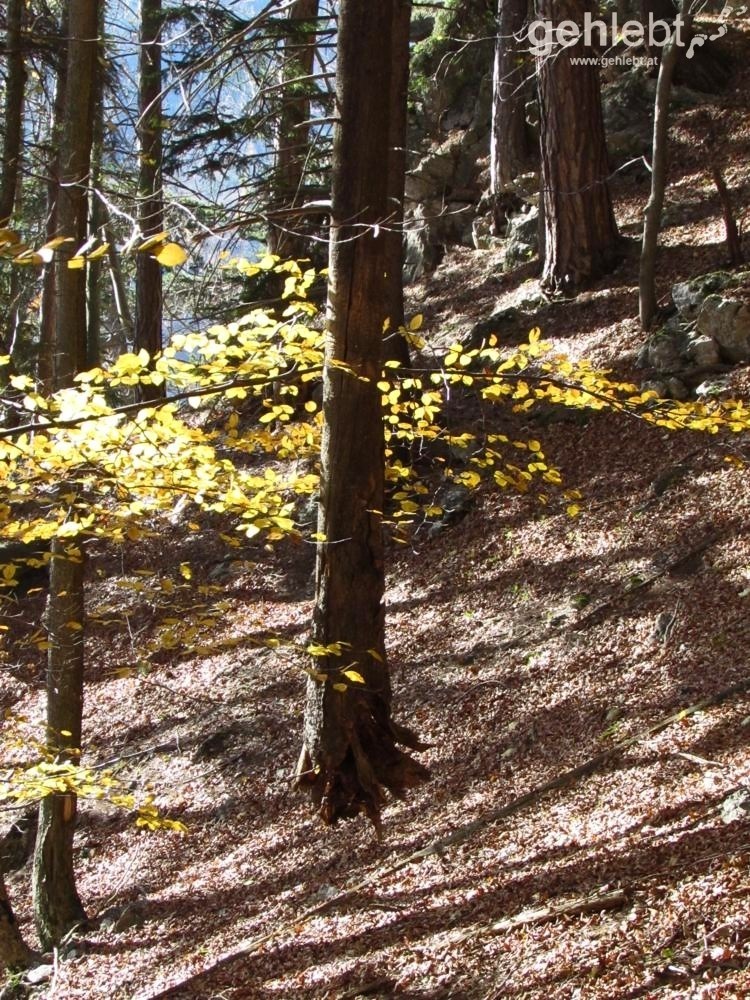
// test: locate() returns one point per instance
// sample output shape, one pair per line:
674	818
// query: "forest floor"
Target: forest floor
523	643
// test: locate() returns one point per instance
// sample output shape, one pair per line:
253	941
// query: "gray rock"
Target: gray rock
702	350
666	347
728	322
39	974
688	296
456	502
523	238
655	385
736	807
676	389
482	233
713	388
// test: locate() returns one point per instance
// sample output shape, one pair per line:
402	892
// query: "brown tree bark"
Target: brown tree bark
293	136
580	232
351	751
509	146
149	302
57	906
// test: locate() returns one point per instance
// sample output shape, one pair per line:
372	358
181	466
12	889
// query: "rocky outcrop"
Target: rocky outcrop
708	334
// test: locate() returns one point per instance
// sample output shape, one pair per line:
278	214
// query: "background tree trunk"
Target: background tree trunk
15	85
48	316
509	147
56	904
293	138
149	303
350	753
580	233
652	217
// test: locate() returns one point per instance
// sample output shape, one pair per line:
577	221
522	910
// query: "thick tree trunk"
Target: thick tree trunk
396	347
580	232
350	754
14	952
149	305
56	904
509	146
293	137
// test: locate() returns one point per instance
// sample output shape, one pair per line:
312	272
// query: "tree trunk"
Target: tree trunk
652	217
293	137
15	85
509	146
56	904
149	304
396	347
48	316
581	237
350	753
14	952
95	225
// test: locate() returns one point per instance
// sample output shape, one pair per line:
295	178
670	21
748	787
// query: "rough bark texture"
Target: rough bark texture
580	233
56	904
652	216
149	306
396	347
509	146
350	754
72	199
293	140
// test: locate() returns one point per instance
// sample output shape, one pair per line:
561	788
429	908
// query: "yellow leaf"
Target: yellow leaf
57	242
354	677
99	252
153	241
573	510
10	237
415	323
339	687
171	255
186	571
76	263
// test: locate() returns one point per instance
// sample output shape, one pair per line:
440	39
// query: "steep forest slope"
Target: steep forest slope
582	682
